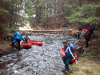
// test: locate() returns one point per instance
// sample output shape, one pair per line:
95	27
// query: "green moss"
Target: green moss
9	34
3	10
9	50
80	58
99	72
6	29
15	30
40	24
87	72
91	57
80	72
88	53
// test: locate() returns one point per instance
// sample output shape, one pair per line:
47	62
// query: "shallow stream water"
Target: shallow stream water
38	60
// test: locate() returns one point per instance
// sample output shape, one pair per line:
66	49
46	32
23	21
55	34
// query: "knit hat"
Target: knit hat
64	41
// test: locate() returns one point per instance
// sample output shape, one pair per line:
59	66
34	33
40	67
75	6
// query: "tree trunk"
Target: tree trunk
11	20
38	12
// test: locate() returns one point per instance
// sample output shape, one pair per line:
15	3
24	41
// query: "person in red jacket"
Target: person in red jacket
85	33
26	39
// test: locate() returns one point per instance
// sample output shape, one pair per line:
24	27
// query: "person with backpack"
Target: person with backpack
69	54
16	38
85	33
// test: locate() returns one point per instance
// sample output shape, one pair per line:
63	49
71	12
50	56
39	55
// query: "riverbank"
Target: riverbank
89	60
5	47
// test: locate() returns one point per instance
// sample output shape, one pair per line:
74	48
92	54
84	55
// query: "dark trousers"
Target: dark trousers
66	62
13	44
87	39
18	44
92	34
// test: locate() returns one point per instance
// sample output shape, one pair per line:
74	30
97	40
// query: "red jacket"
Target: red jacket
26	38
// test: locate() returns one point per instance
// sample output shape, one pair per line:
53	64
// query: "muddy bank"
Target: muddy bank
6	48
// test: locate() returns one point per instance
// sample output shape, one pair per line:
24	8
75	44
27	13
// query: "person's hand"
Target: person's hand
76	61
21	42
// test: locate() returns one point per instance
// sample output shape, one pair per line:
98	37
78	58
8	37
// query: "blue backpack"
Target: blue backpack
67	53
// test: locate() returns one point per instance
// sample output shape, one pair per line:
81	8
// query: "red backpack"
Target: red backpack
86	32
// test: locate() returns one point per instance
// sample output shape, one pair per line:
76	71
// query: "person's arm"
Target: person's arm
28	38
21	42
72	54
82	34
23	37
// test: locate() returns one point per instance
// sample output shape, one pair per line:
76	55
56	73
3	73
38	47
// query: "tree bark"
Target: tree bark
38	12
11	20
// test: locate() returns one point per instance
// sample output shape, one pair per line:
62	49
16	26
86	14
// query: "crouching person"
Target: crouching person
69	54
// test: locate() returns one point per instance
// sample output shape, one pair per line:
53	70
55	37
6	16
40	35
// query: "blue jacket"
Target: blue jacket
17	35
70	51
